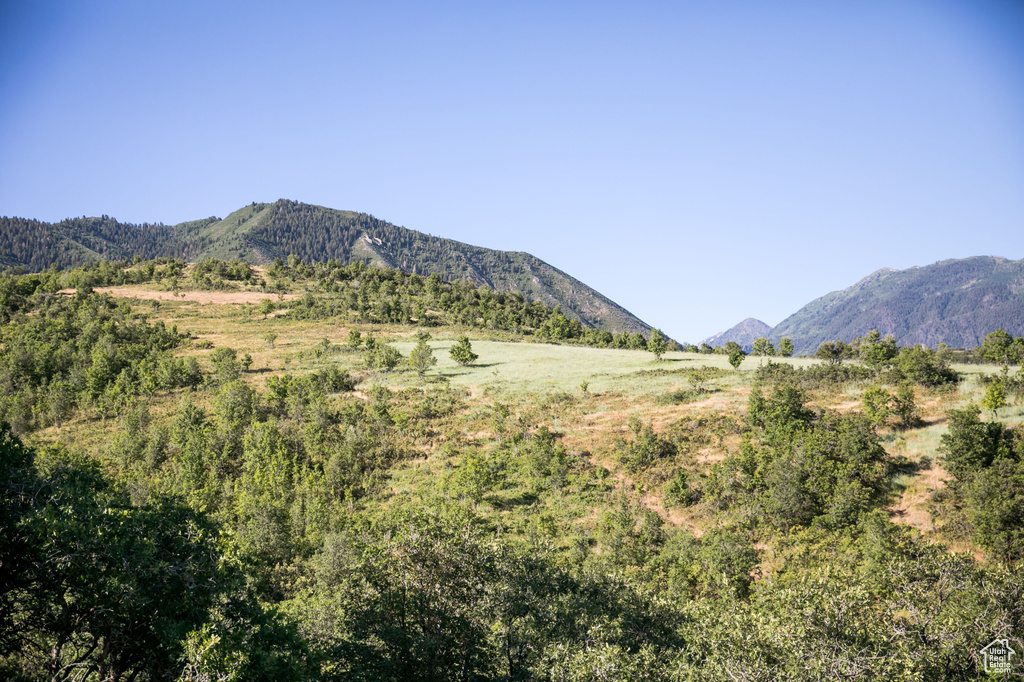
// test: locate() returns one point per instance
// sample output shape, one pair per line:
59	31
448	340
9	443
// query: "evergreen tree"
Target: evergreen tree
422	356
462	352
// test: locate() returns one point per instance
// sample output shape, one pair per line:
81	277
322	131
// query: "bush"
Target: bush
462	352
924	366
645	449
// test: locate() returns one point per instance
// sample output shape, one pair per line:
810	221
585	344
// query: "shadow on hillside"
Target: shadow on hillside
900	469
505	503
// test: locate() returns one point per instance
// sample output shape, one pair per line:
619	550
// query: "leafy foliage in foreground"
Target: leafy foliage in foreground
98	588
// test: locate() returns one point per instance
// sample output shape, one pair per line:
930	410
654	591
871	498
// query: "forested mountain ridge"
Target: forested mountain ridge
35	245
955	301
259	233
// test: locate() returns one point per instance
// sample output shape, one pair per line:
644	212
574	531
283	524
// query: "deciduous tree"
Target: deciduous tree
657	344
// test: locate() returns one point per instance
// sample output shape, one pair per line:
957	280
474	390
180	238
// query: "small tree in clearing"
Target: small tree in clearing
422	357
995	397
658	343
763	347
904	406
462	352
785	347
266	307
736	353
383	356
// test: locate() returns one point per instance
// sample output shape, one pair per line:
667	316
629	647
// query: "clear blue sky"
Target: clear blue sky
698	163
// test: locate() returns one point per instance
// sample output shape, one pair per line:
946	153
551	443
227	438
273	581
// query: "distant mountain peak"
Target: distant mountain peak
953	301
743	333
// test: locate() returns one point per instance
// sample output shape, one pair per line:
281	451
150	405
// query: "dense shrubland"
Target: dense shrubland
316	523
84	352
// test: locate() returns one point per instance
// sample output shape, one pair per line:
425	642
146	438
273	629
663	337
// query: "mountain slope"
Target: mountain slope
743	333
262	232
36	245
954	301
259	233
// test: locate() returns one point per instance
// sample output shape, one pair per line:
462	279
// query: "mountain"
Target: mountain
955	301
743	333
35	245
259	233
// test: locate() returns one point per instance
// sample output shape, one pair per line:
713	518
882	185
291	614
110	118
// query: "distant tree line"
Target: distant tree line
357	292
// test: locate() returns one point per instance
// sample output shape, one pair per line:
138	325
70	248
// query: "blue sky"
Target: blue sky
698	163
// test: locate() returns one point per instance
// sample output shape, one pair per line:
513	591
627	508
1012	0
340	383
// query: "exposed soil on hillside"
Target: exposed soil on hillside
205	297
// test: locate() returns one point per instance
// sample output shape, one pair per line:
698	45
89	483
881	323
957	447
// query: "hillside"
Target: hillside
259	233
743	333
35	245
954	301
280	475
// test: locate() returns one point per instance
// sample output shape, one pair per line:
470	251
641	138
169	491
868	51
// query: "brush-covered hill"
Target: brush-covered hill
956	301
260	233
743	333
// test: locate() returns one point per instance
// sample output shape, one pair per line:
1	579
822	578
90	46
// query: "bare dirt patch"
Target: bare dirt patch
912	508
205	297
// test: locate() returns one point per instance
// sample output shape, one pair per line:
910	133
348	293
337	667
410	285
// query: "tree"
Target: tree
785	347
877	405
995	509
658	343
266	307
1000	347
383	356
678	489
833	352
971	444
995	397
763	347
925	366
269	339
875	351
736	353
422	357
225	363
110	587
462	352
646	449
905	407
